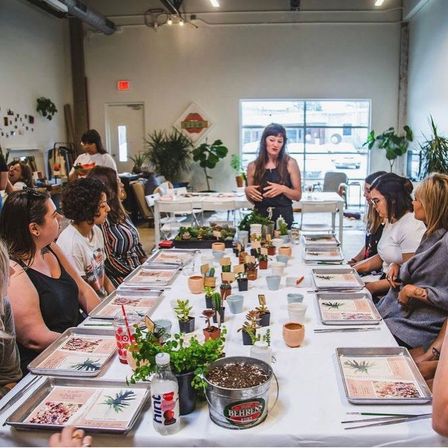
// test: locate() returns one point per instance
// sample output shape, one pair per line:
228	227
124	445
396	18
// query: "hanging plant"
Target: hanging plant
46	107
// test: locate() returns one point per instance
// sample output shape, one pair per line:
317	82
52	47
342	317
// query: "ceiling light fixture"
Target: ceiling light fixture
181	22
379	2
215	3
169	21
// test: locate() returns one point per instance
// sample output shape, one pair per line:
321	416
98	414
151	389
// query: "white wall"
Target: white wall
34	61
217	66
428	68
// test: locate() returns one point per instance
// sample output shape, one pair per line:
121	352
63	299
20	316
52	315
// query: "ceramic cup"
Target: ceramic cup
296	312
277	268
273	282
285	250
243	237
235	302
292	281
255	229
294	297
282	259
277	242
217	254
196	284
293	334
218	247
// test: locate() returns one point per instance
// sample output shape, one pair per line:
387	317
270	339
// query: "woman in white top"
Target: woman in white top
95	155
19	176
390	194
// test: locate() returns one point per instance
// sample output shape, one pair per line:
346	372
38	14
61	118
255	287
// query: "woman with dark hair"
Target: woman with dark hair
94	155
373	221
19	177
273	178
124	252
390	195
416	306
84	202
45	291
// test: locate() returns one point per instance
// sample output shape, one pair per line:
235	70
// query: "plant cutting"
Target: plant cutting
209	291
46	107
249	327
168	152
183	310
265	337
253	218
395	145
251	270
270	247
263	261
433	156
189	359
208	156
237	166
210	331
219	309
263	311
243	283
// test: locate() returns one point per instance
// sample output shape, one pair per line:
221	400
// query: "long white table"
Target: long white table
311	202
311	399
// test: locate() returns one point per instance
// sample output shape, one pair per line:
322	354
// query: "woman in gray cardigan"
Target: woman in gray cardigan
416	309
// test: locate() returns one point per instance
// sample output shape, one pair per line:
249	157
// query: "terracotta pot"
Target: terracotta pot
285	250
293	334
214	334
263	264
196	284
271	250
239	181
218	247
252	275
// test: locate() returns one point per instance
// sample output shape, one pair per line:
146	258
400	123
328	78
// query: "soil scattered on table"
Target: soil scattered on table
237	375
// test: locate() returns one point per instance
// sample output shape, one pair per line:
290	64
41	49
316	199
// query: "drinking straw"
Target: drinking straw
126	322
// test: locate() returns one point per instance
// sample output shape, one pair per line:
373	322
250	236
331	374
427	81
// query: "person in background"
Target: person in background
124	251
373	223
416	306
391	197
84	202
45	291
273	178
94	155
19	176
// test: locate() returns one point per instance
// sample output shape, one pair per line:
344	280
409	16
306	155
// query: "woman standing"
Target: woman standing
273	178
124	251
45	291
94	155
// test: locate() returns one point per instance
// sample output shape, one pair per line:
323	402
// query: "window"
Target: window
322	136
122	144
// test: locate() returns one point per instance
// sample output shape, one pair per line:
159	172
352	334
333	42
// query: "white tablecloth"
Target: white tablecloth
311	399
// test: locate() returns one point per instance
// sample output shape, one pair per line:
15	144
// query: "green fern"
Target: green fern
120	401
359	367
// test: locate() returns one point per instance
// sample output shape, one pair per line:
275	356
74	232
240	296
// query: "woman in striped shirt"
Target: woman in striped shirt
124	252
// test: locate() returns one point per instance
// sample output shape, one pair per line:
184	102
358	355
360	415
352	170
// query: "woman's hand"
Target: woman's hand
273	190
70	436
253	193
392	275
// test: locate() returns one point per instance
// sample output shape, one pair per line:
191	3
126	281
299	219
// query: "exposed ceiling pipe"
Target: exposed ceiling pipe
173	6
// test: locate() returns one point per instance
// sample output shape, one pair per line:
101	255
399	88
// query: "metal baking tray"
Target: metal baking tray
419	387
91	370
320	239
350	317
323	253
323	285
171	257
172	271
18	418
105	310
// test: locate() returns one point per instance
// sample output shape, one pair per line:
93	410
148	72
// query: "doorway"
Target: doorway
125	132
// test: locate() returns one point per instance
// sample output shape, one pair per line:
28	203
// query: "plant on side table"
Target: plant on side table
183	310
237	166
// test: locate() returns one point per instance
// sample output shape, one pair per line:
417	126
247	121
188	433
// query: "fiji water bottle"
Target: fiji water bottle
165	397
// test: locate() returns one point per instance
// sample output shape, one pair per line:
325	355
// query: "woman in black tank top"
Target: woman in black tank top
274	177
45	291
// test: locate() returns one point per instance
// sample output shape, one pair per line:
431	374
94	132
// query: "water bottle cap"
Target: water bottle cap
261	344
162	359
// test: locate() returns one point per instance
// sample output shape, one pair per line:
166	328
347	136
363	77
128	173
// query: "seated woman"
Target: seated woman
84	202
374	224
124	252
416	309
45	291
402	233
19	176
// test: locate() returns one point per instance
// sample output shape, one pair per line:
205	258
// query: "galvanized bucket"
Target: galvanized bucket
239	408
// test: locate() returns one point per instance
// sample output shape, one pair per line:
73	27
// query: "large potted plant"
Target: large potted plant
168	152
395	145
208	156
189	358
237	166
253	218
139	159
433	154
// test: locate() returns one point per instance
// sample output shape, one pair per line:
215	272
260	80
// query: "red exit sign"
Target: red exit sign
123	84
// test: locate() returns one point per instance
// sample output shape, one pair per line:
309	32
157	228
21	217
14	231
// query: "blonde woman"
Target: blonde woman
416	309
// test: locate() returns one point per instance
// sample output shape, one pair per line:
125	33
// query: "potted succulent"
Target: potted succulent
210	331
263	311
395	145
219	309
183	310
208	156
251	270
237	166
263	261
209	291
249	328
242	256
189	359
210	279
282	228
243	283
270	247
225	289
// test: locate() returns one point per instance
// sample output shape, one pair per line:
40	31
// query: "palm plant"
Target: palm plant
433	154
